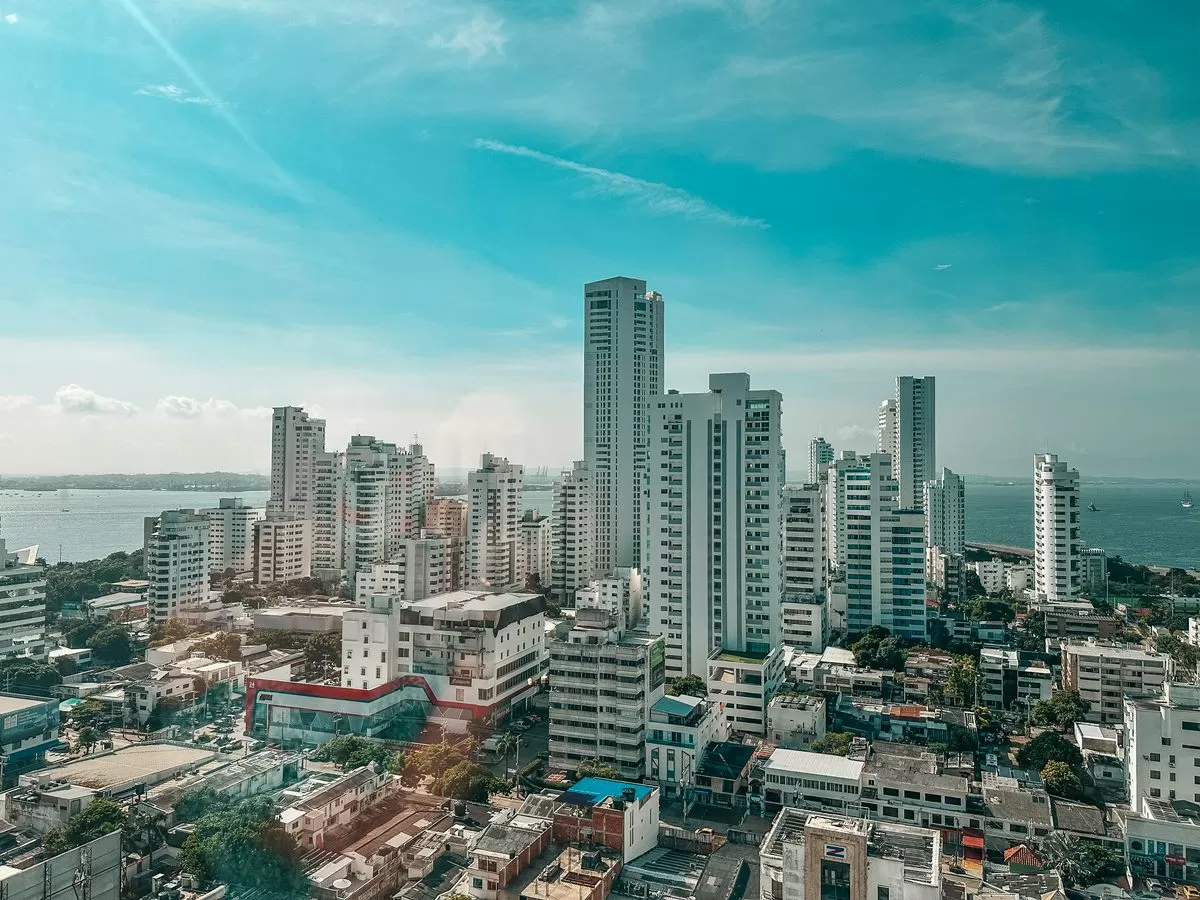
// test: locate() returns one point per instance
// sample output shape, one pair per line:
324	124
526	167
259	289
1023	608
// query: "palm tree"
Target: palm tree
1061	851
88	738
507	744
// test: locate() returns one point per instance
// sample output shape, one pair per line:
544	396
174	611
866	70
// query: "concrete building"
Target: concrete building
502	851
296	439
39	803
1093	571
804	622
915	460
744	682
805	569
681	729
95	869
836	479
1013	679
794	721
336	804
1105	674
22	605
621	816
475	651
533	549
176	553
714	545
28	727
282	549
945	513
948	573
603	683
420	567
447	516
231	534
622	371
887	428
820	454
1055	528
808	856
622	594
301	617
329	489
1076	619
816	781
572	532
493	523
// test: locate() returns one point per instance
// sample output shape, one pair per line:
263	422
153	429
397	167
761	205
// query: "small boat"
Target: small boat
1093	508
1186	502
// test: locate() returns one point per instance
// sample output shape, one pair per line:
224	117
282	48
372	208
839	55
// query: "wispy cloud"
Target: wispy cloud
654	197
12	18
478	38
179	407
76	400
174	93
16	401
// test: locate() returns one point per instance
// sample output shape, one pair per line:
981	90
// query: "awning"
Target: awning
972	838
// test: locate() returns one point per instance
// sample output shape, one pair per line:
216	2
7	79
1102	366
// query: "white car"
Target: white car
518	727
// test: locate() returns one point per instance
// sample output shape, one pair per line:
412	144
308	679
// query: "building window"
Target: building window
883	894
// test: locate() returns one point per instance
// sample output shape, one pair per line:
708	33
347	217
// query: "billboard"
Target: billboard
96	866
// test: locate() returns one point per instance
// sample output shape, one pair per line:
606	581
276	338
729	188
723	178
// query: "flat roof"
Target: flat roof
595	791
284	611
121	598
129	765
815	764
677	705
740	656
11	703
472	601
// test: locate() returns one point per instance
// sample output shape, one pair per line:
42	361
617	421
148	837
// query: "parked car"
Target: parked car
520	727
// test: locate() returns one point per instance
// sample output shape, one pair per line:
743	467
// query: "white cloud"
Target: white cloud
174	93
12	18
850	434
479	38
178	407
76	400
656	198
16	401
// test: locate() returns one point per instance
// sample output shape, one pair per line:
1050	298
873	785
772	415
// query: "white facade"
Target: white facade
296	439
533	550
794	721
176	550
814	780
22	607
572	531
282	549
945	513
1055	528
1013	679
231	534
820	453
622	371
329	488
493	523
743	684
622	594
915	461
680	731
1162	753
386	491
420	568
475	650
835	502
805	570
1104	674
887	428
1093	570
714	549
805	621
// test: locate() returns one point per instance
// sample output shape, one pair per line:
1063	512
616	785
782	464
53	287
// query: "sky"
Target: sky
385	210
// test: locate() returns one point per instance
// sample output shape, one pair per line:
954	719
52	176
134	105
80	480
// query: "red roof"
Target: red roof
1021	855
972	837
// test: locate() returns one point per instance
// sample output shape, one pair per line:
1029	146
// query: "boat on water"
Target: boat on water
1093	508
1186	502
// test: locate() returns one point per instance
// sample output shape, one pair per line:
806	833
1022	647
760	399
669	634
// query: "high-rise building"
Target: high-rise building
296	439
385	493
915	460
231	534
945	513
820	453
835	505
420	567
1055	528
22	605
1093	571
282	549
887	428
883	550
447	516
716	475
622	371
328	534
533	550
176	551
572	562
804	565
495	498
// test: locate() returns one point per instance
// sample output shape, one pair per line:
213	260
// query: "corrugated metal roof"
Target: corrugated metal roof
815	764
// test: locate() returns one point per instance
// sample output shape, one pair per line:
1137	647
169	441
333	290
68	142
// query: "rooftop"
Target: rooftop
752	657
595	791
815	764
725	760
1079	818
11	703
681	705
121	598
471	601
141	763
507	840
1018	806
919	848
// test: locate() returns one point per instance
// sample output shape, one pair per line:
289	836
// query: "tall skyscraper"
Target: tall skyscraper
296	440
447	516
945	513
804	567
915	461
493	522
231	534
328	529
1055	528
887	428
176	552
622	370
716	476
835	505
572	561
820	453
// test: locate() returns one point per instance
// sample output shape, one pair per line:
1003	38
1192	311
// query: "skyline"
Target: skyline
395	234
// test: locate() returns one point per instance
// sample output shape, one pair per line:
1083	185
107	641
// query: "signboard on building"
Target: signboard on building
835	851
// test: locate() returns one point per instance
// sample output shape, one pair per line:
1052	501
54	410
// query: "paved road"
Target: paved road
533	742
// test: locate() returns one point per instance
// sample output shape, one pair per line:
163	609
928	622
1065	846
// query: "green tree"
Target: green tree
199	802
467	780
836	743
88	738
144	832
275	639
170	631
876	648
1061	711
350	751
78	634
984	609
506	744
691	685
100	817
111	645
436	759
323	651
21	676
1062	780
962	681
595	768
233	596
223	645
1063	852
245	847
1049	746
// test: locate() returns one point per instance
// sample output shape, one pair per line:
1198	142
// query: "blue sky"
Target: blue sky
385	209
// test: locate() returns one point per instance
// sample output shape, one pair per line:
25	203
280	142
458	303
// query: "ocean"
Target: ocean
1140	521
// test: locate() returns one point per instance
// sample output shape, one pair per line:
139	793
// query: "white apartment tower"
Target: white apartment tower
835	505
282	549
572	561
296	440
945	513
420	567
493	523
22	604
804	565
1055	528
887	427
231	534
328	531
820	453
622	371
176	549
533	550
713	566
915	460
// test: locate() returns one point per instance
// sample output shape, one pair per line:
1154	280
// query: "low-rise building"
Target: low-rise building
809	856
904	784
723	776
1104	674
1076	620
1093	571
40	803
28	727
1014	679
814	781
501	852
336	804
302	617
744	682
122	606
794	721
619	815
680	730
805	621
909	722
